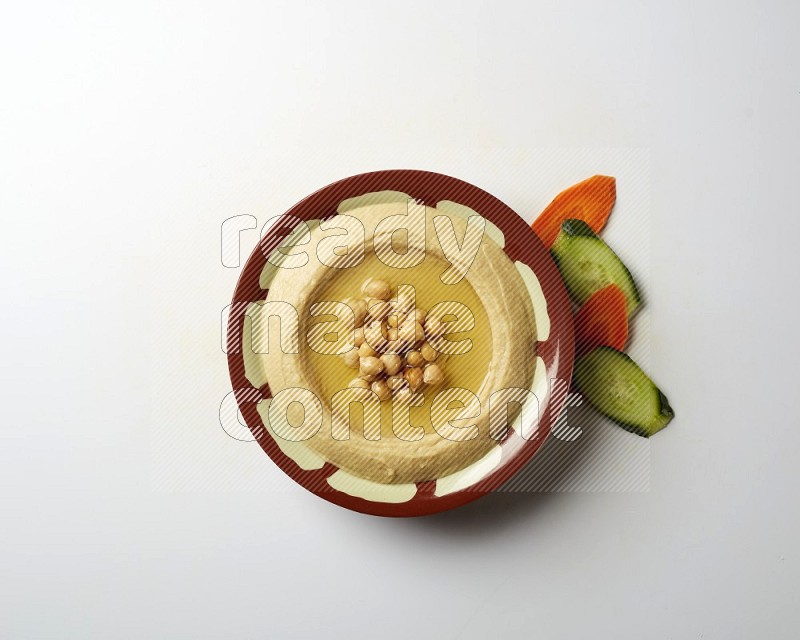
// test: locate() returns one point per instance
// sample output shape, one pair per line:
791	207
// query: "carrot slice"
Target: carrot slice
602	321
590	201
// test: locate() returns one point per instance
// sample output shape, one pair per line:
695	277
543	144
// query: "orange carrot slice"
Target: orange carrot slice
590	201
602	321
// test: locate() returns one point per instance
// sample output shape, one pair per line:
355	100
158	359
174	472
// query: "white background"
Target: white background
128	133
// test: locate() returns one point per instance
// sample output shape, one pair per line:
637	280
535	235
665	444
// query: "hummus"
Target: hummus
440	431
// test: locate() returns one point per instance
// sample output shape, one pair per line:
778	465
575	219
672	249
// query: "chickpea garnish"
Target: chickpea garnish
414	377
428	352
392	363
378	309
395	382
371	366
352	359
366	350
382	390
374	288
433	327
433	374
419	332
401	360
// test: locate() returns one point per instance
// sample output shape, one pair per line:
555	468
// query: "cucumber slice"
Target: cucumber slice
587	264
616	386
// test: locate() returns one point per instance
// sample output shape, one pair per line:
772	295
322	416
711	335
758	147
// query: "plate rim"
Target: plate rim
521	245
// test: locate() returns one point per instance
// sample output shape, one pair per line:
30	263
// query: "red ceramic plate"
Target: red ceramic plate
555	347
